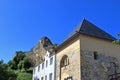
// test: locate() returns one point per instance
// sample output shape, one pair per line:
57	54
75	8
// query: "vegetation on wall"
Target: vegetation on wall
117	41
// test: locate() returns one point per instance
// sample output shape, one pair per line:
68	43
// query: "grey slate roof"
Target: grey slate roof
87	28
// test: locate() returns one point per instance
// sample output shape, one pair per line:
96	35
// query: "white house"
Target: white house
46	69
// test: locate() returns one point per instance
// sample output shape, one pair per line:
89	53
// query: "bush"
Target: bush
24	76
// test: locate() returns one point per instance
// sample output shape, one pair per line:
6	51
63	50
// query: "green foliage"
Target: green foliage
19	68
54	46
2	71
12	65
30	70
117	41
24	76
20	65
18	57
20	61
12	75
26	63
6	73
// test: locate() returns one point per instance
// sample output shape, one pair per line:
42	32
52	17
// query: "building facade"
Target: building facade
87	53
46	69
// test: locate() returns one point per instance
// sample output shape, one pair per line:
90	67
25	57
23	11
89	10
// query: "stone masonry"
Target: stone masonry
99	69
67	71
73	68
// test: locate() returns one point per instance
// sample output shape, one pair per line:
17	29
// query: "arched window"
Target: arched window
64	61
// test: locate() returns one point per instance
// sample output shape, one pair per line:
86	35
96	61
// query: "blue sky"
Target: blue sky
24	22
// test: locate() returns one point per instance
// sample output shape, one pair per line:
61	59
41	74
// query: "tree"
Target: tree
12	65
11	75
6	73
18	57
20	65
2	71
27	64
19	68
16	63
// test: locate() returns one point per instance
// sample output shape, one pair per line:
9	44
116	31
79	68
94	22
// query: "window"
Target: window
50	76
38	68
42	78
46	77
35	78
95	55
34	71
51	60
46	63
43	65
64	61
68	78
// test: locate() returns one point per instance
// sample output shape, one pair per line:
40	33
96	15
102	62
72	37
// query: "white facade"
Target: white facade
46	69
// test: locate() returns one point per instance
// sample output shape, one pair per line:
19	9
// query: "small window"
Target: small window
42	78
43	65
51	60
38	68
46	63
50	76
95	55
34	71
46	77
69	78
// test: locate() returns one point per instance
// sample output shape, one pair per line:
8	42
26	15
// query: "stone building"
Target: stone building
87	53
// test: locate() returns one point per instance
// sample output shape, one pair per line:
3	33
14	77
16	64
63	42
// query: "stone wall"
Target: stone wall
97	69
73	68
